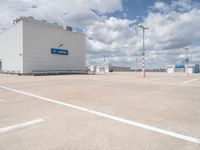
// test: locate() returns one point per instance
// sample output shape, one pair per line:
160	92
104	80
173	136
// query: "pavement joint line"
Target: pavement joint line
2	100
188	81
154	79
122	120
11	128
170	84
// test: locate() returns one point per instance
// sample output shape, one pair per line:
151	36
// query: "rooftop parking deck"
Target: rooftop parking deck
104	111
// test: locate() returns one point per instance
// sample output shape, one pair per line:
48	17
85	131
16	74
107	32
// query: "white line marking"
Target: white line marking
19	126
189	81
133	123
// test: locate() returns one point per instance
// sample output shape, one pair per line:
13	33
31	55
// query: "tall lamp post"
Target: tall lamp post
186	61
104	63
143	74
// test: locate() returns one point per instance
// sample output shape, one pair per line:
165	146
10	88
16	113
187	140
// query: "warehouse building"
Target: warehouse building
34	46
118	68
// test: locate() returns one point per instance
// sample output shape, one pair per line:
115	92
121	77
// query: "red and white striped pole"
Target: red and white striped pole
187	73
143	74
187	62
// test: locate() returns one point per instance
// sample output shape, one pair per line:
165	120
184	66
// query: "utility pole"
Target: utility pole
143	74
135	64
186	61
104	62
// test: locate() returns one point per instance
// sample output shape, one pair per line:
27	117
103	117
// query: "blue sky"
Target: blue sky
111	27
137	8
134	9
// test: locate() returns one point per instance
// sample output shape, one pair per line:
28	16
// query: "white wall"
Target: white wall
39	38
11	49
170	70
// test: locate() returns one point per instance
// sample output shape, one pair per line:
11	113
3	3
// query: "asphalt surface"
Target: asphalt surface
170	102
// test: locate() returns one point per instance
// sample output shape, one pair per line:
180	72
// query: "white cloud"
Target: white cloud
181	5
74	12
161	6
110	30
173	30
172	26
107	6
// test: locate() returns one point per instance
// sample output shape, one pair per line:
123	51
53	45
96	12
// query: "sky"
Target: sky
111	27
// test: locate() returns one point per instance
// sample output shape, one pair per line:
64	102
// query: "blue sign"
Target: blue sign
59	51
180	66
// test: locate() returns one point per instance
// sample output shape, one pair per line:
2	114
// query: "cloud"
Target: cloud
173	30
172	26
74	12
181	5
161	6
116	29
114	38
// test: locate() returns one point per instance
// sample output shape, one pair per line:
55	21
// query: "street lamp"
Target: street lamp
143	51
186	61
104	63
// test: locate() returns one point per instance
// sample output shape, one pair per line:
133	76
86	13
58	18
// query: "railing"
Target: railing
55	72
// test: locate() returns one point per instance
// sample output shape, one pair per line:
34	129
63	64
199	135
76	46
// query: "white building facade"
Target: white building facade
37	46
190	68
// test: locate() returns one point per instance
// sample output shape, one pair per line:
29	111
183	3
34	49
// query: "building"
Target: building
192	68
175	68
179	68
32	46
170	68
119	69
91	69
111	68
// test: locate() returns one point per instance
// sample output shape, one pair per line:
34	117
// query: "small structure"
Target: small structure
170	68
92	70
102	69
179	68
191	68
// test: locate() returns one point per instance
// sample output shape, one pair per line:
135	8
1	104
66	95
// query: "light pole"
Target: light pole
104	63
186	61
135	64
143	74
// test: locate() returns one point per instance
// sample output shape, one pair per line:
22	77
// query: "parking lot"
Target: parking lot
105	111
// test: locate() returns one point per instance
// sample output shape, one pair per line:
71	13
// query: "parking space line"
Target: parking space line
19	126
189	81
122	120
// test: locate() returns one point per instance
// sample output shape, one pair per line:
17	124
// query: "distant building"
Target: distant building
111	68
192	68
170	68
91	70
179	68
118	69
